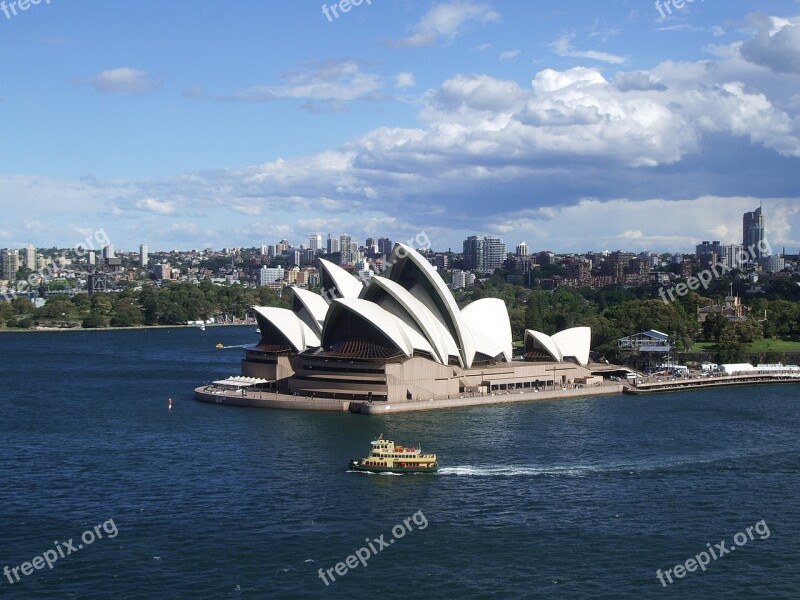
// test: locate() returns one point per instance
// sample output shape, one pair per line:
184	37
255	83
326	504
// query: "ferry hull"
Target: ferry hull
357	466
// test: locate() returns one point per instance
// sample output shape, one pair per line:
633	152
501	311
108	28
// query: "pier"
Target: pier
272	399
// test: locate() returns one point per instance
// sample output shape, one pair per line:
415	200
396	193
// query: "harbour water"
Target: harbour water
579	498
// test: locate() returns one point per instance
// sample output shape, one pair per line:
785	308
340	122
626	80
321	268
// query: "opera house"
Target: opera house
401	338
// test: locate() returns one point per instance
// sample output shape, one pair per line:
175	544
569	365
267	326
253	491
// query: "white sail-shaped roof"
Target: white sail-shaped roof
340	283
575	343
487	320
413	272
546	343
310	307
387	326
280	325
404	304
569	343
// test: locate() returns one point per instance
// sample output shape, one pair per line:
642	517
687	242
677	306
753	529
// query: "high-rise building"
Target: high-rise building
495	253
9	261
91	258
264	250
333	245
346	250
315	242
484	253
474	253
282	246
522	249
708	253
143	258
108	251
385	246
30	257
733	256
753	233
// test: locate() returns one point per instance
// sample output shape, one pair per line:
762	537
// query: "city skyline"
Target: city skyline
571	126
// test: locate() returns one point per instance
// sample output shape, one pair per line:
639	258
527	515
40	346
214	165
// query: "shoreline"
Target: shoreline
135	327
271	399
274	400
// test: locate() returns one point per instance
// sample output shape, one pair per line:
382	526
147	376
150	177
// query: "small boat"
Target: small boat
388	457
219	346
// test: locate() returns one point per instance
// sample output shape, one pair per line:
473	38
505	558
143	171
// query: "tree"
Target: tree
713	327
22	306
736	337
58	307
126	314
93	320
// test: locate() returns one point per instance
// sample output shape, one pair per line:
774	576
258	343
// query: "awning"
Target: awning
241	382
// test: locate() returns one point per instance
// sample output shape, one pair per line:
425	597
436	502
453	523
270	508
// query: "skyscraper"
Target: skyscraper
753	233
385	245
484	253
345	248
495	253
522	249
333	245
143	255
9	261
474	253
315	242
30	257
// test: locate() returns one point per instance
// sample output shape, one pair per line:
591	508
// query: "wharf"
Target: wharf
270	399
674	385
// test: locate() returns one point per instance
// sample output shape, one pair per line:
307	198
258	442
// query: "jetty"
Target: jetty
711	381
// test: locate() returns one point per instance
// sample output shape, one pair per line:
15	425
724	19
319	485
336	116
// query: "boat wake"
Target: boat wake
726	460
573	471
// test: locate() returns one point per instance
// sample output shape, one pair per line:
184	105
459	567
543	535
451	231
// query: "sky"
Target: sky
570	125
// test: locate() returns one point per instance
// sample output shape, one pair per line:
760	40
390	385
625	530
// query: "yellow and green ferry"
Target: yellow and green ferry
388	457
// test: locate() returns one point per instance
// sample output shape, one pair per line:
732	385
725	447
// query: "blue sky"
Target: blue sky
571	125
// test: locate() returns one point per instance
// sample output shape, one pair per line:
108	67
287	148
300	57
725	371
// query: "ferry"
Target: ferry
388	457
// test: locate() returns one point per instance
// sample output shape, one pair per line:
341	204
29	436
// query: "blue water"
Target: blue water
581	498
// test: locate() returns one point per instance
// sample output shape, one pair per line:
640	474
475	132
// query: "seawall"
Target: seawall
265	399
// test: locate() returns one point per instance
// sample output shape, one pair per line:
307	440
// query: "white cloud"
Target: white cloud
404	80
124	80
509	54
341	80
662	225
160	207
447	21
251	210
563	47
484	152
